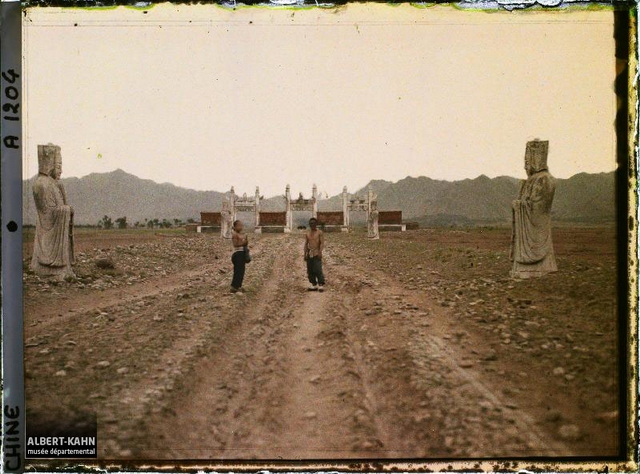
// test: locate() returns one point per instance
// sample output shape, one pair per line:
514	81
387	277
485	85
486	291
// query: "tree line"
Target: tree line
121	223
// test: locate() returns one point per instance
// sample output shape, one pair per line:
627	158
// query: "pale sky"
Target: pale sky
206	97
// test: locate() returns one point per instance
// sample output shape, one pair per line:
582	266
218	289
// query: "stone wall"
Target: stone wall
412	225
273	218
210	218
390	217
331	218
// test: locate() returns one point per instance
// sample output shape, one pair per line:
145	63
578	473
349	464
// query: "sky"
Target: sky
206	97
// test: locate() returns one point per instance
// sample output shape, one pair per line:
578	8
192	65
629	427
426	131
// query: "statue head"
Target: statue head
50	160
535	157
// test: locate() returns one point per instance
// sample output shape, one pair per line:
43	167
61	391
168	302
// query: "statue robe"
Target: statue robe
52	247
372	227
226	225
532	247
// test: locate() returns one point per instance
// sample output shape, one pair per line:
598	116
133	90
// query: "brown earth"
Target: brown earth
421	347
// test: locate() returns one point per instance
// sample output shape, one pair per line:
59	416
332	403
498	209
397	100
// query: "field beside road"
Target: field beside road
421	347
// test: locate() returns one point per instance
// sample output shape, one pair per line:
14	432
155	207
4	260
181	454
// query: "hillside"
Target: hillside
117	194
587	198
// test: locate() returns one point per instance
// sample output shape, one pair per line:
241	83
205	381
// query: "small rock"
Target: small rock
491	355
553	416
122	370
360	416
103	364
315	379
485	405
607	416
61	373
558	371
569	432
310	415
105	263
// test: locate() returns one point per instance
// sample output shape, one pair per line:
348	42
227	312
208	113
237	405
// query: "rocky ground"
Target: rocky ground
421	347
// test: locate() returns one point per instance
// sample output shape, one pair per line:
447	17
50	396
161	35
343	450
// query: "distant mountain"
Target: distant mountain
120	194
587	198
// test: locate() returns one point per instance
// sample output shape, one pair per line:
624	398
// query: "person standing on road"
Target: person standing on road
313	246
240	242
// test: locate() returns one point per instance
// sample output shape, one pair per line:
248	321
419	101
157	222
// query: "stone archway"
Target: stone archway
300	204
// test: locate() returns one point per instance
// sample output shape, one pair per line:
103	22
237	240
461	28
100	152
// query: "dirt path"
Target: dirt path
429	398
279	384
372	368
349	373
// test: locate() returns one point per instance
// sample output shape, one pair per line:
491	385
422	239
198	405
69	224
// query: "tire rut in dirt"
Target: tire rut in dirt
230	373
121	360
423	402
282	384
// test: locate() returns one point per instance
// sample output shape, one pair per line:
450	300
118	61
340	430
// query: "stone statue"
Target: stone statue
531	244
53	243
372	224
226	219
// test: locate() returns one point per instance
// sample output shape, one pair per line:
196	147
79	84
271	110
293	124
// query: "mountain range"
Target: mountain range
584	198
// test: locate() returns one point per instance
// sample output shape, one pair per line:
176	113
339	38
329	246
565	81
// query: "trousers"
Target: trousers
314	271
238	269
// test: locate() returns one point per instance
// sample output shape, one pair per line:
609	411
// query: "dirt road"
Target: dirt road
387	363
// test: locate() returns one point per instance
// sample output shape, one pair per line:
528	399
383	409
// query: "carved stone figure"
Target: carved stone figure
226	220
372	224
531	245
53	254
289	213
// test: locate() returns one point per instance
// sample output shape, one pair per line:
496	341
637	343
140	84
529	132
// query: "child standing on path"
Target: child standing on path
313	246
240	242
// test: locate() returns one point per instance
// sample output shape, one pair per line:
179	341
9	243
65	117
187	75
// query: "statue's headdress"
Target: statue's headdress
47	155
536	154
